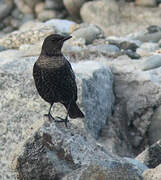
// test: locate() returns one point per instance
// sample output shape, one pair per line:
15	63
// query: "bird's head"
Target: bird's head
53	43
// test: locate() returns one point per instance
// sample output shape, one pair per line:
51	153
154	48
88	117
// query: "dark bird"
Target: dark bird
55	79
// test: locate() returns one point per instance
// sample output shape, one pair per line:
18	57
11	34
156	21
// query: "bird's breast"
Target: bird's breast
50	63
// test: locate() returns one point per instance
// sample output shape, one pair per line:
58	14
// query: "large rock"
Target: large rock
21	105
153	174
151	156
137	95
54	151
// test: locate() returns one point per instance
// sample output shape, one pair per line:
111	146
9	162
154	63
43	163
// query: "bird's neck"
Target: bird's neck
49	51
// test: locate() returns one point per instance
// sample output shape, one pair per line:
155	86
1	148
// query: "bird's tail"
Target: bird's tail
74	111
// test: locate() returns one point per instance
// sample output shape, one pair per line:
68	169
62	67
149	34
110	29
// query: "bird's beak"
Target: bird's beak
66	38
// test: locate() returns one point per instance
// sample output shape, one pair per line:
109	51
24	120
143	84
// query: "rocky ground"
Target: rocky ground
119	91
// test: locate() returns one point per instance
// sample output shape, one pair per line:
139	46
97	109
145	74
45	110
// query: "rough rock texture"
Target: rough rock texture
137	96
95	172
151	156
62	150
17	38
97	102
21	105
153	174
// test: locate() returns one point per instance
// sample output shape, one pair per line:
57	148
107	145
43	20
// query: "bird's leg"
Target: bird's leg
66	118
49	114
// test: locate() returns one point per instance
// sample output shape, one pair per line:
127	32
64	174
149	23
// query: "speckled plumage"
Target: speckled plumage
54	77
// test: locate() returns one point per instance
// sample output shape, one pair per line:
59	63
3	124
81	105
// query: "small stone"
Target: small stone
73	7
5	8
151	3
147	49
46	15
2	48
151	62
39	7
26	18
15	23
54	4
124	43
61	25
132	54
89	33
17	14
153	29
149	37
105	50
23	7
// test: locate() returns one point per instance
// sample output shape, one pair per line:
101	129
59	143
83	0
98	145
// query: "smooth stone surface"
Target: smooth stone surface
89	33
5	8
46	15
149	37
151	62
132	54
105	50
124	43
90	13
147	49
61	25
73	7
54	4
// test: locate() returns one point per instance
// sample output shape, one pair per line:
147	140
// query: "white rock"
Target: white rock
61	26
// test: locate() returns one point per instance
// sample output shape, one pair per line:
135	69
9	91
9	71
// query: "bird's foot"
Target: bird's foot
49	116
62	120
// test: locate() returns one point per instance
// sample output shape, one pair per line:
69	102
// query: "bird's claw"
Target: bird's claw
49	116
62	120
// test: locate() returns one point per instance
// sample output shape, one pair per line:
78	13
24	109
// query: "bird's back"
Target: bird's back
55	79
